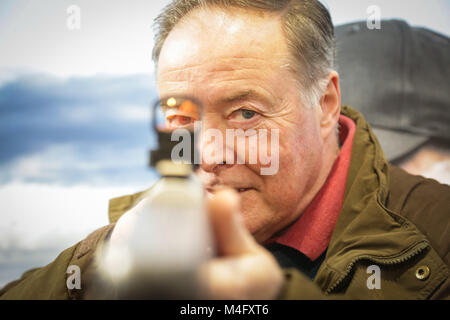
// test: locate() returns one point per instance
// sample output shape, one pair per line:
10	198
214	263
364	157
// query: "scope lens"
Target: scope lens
176	113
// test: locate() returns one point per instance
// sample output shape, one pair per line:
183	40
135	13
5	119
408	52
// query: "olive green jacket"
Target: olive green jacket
389	219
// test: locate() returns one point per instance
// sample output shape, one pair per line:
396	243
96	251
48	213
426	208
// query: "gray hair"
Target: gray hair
307	27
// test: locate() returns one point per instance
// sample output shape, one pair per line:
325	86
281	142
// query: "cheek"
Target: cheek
260	151
289	151
299	163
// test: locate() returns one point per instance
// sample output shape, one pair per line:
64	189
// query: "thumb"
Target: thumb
231	235
244	270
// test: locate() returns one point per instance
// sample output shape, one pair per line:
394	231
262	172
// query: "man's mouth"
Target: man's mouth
239	190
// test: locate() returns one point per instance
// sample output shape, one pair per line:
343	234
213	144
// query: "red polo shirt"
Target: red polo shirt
311	233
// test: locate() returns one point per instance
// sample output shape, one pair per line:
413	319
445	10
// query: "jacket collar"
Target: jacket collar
365	228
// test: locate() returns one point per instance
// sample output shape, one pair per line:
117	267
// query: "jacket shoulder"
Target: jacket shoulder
51	281
48	282
118	206
424	202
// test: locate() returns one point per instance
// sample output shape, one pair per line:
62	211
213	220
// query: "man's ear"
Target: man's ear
330	104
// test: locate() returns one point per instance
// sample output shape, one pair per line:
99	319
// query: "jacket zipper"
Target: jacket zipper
418	248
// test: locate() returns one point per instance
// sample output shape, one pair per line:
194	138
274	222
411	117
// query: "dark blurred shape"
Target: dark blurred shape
398	77
174	118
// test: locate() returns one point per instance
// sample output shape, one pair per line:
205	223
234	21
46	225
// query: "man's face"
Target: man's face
236	64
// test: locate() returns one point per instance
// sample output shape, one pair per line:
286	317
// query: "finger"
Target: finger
231	235
253	276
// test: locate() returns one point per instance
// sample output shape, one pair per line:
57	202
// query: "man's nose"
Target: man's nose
214	150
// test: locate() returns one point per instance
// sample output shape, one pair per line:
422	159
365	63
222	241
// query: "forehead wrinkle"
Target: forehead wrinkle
224	64
218	81
229	69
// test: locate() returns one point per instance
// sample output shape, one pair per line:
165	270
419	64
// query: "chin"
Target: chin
255	218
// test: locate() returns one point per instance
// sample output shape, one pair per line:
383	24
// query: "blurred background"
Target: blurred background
74	113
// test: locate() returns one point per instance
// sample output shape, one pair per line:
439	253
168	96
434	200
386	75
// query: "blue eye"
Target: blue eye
242	115
248	114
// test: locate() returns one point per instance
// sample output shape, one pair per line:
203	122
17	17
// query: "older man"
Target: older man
334	213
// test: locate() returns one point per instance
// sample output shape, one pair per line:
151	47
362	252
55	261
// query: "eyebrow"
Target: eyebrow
238	96
245	94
